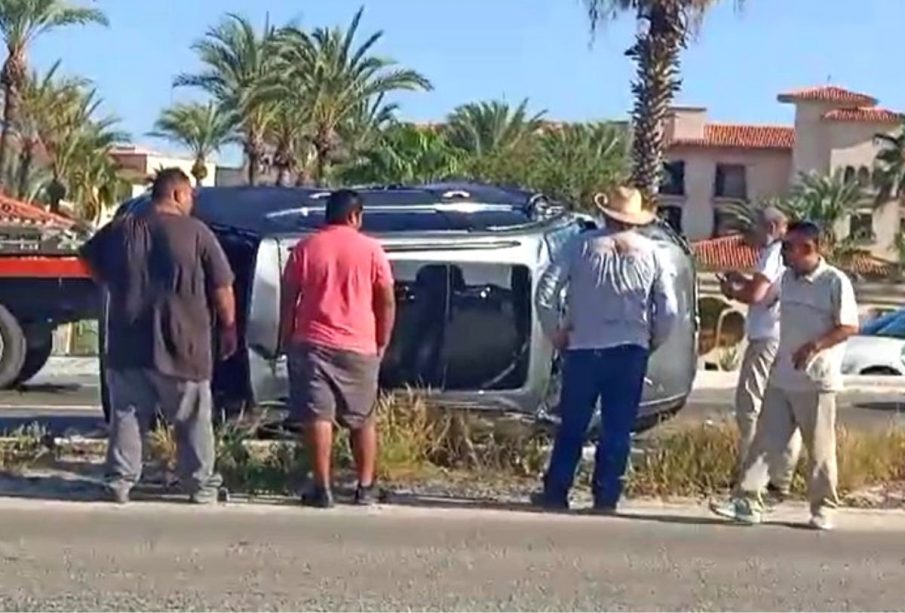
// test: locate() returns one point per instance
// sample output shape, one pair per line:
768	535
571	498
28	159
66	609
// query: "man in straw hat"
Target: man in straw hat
620	306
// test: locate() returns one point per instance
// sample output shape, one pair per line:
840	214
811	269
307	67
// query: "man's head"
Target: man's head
801	247
771	225
173	188
344	208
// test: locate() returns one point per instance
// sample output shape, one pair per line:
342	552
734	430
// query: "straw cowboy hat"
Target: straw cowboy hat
624	204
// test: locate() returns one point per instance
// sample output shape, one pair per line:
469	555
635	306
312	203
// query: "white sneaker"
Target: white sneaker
741	510
820	521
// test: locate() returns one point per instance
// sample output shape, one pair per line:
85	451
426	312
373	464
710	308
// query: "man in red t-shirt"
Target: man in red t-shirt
337	315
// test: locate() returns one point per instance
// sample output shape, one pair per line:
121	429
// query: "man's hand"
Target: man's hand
803	355
560	339
228	342
727	288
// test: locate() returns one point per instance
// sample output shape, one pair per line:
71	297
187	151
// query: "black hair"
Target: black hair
341	205
167	180
807	230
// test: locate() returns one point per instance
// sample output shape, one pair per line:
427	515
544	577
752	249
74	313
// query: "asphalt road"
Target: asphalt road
155	556
73	405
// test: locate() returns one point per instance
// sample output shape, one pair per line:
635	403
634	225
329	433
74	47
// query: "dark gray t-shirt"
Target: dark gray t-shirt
161	271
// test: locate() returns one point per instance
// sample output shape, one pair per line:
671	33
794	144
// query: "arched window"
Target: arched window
849	175
864	177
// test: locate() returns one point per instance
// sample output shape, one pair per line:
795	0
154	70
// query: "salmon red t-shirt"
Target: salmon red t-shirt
338	269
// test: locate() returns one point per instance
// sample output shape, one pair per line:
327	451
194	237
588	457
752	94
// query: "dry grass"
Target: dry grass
418	440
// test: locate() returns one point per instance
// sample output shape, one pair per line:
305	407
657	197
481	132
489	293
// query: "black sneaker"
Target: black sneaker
366	496
603	508
318	497
550	502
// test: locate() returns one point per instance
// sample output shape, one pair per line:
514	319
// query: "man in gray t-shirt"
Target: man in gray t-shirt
818	313
168	280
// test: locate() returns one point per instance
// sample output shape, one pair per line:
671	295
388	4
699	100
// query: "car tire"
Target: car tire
13	348
881	370
39	346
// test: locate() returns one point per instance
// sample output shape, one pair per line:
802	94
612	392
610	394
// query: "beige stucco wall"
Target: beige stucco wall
767	175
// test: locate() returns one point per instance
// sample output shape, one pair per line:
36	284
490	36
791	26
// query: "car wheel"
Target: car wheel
881	370
12	348
39	346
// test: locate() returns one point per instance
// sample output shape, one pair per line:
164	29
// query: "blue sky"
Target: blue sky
512	49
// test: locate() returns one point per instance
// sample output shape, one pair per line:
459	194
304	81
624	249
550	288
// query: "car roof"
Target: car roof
435	207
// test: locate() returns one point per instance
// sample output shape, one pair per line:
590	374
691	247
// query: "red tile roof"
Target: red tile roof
828	93
733	253
725	253
864	115
14	212
741	136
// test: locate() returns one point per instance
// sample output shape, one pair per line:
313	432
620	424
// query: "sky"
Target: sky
511	50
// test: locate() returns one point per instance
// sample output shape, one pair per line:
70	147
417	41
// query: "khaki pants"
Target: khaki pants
749	398
814	413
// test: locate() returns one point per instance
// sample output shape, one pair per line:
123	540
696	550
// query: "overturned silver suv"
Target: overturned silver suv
466	259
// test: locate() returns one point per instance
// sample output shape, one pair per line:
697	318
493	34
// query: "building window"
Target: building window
731	181
861	227
673	182
864	177
849	174
672	215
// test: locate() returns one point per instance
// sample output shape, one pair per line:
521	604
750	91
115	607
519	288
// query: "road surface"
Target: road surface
150	556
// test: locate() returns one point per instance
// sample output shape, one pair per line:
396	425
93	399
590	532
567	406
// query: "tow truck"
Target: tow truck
43	285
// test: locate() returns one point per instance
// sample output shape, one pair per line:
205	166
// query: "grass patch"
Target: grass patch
24	447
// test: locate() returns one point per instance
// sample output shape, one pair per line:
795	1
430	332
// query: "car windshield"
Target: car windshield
890	324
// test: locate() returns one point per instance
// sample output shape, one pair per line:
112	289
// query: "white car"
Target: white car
879	349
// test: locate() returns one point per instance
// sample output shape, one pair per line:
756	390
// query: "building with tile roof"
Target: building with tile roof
712	164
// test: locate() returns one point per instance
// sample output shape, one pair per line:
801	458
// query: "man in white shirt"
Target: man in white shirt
818	313
760	292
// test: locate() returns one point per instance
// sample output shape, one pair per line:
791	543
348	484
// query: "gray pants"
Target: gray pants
814	414
749	398
136	396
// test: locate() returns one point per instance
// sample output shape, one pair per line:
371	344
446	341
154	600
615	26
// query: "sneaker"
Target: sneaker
601	508
118	494
366	496
820	521
318	497
550	502
741	510
204	497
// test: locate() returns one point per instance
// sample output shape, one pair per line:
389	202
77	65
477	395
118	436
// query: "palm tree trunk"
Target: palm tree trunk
9	115
26	158
656	55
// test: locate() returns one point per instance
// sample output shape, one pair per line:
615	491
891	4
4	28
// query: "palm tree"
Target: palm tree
239	71
579	160
889	165
664	29
341	85
46	101
491	128
75	143
201	128
404	154
21	22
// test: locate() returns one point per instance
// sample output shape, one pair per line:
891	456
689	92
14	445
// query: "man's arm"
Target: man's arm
664	304
549	292
384	301
290	290
846	319
92	254
219	277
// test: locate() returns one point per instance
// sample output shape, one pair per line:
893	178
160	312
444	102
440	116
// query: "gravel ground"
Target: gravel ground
68	556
